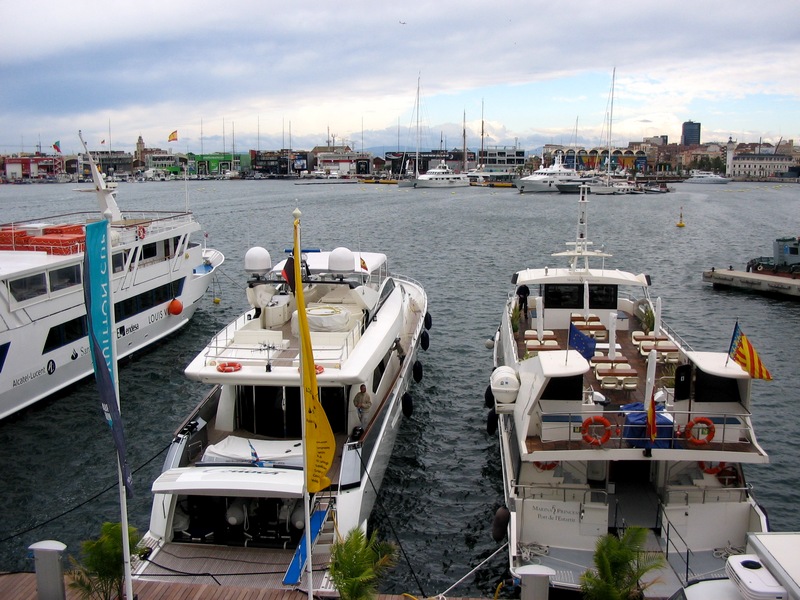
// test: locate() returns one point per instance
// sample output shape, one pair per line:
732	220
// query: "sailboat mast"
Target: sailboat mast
416	157
480	165
464	134
611	117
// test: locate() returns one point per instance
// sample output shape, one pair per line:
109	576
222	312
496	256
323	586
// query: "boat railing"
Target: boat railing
729	431
669	533
563	493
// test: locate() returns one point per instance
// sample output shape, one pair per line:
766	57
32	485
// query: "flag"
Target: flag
254	456
651	417
102	142
173	137
57	146
743	353
97	295
581	342
288	273
319	444
364	265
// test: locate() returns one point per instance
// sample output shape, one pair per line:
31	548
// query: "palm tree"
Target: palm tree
357	562
101	576
620	563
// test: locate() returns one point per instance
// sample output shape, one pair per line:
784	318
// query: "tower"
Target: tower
690	134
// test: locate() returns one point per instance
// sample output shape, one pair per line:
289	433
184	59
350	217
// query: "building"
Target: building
508	159
760	166
690	134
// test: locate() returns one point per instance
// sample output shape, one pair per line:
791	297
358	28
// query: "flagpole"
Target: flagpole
298	282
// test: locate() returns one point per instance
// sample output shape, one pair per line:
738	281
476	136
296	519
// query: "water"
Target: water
444	483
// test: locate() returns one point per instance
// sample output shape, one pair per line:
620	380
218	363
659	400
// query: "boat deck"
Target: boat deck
616	398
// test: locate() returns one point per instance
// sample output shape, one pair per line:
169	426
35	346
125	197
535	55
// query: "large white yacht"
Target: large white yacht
233	490
607	419
706	177
546	178
441	176
159	278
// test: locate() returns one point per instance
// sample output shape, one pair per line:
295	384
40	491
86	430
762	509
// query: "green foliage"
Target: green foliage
649	319
357	562
620	563
516	313
101	575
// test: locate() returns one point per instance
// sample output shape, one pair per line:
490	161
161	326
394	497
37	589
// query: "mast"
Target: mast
464	134
416	157
610	120
480	165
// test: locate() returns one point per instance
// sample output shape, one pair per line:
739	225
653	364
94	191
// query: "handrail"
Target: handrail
669	542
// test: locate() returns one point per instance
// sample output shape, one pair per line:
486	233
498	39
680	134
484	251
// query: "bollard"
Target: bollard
49	571
535	581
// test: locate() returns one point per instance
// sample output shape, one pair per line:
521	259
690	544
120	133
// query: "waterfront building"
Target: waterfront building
342	160
499	158
690	134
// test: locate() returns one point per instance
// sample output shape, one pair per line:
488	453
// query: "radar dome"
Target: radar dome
257	261
341	260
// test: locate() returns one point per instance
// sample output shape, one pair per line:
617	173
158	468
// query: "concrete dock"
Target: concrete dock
774	285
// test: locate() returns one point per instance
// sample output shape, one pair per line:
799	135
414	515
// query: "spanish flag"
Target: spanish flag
173	137
652	429
743	353
319	443
364	266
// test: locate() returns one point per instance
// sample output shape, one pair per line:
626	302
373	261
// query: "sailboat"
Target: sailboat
408	179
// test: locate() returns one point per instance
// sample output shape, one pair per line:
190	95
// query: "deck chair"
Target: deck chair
629	384
609	383
636	337
672	358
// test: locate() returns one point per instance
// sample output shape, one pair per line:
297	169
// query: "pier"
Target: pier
774	285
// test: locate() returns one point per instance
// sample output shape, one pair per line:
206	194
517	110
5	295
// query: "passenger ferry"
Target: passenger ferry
159	277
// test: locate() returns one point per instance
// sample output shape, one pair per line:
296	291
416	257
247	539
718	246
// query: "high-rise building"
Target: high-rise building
690	134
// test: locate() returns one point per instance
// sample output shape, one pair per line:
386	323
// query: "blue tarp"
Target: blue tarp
634	432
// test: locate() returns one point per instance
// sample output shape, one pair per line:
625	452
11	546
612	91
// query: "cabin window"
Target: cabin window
3	354
118	260
564	295
126	309
65	334
272	411
65	277
149	251
711	388
26	288
564	388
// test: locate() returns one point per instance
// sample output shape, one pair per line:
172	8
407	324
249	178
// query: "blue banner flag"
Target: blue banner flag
99	307
581	342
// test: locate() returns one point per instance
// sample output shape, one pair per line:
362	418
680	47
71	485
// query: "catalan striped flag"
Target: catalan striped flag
743	353
173	137
652	429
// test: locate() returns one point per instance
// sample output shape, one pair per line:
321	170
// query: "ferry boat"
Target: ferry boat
233	489
607	419
159	278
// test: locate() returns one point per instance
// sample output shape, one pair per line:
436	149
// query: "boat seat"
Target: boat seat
630	384
636	337
610	383
672	358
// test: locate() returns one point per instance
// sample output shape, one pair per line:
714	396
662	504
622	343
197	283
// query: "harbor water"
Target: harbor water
443	486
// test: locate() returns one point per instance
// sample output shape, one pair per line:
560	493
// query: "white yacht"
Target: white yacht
159	278
696	176
546	178
233	489
607	419
441	176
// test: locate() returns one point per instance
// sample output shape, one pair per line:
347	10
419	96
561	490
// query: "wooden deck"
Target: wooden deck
22	586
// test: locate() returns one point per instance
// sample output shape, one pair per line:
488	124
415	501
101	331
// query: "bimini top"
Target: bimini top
565	275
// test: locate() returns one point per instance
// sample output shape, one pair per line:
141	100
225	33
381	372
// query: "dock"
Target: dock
22	586
773	285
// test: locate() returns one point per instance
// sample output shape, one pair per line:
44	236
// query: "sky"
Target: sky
266	75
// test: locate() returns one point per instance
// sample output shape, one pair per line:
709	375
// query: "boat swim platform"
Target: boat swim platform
22	586
758	282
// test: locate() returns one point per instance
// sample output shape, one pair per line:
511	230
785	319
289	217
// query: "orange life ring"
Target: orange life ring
319	369
141	232
728	476
708	468
228	367
593	439
545	466
699	441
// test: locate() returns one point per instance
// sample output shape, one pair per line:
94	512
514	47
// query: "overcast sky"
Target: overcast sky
267	74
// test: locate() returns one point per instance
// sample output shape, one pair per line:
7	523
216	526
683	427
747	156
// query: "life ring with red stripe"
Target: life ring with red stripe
228	367
141	232
710	467
592	439
319	369
697	441
545	466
